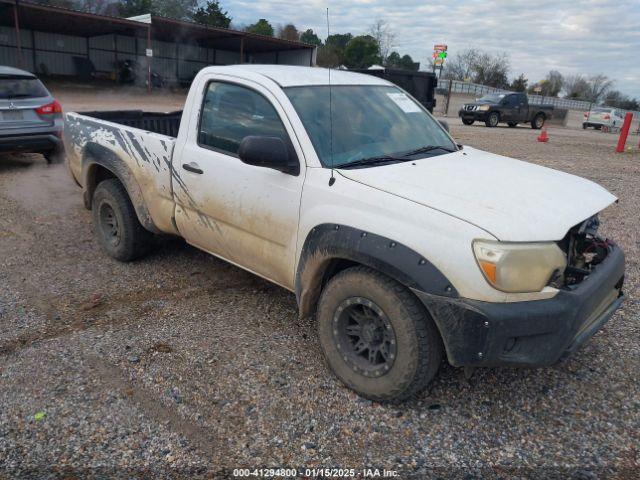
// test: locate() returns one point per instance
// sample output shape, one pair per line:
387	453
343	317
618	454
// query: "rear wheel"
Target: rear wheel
467	121
538	121
492	120
376	336
513	124
116	223
54	156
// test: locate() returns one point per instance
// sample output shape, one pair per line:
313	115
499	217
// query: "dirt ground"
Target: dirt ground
181	365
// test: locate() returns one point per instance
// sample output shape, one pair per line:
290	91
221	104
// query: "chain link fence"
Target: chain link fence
477	90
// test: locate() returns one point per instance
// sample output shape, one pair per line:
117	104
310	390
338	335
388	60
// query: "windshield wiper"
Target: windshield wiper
426	149
394	158
372	161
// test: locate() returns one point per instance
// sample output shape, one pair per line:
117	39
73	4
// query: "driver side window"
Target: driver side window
231	113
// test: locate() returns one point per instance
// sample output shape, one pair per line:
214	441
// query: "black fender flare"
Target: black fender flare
328	243
95	156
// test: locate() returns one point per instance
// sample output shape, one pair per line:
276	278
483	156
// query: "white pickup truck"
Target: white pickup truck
402	243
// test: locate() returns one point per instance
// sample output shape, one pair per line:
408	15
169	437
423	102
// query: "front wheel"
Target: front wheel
538	121
492	120
467	121
376	335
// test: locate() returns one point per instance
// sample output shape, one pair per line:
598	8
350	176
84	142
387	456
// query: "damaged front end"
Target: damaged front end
538	332
585	250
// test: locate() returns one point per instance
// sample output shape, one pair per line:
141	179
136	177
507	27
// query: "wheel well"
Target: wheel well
333	267
336	265
96	174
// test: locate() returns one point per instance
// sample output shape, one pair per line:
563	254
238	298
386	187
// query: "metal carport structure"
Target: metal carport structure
54	41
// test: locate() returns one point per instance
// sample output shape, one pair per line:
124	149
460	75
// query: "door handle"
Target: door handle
192	167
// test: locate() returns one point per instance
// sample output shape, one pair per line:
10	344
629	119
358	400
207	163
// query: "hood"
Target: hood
513	200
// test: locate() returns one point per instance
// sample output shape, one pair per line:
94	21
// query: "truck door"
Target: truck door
243	213
512	108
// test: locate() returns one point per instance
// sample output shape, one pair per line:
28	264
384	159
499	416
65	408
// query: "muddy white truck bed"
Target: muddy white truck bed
138	146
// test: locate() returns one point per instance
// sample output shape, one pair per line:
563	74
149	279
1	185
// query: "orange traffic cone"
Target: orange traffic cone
543	137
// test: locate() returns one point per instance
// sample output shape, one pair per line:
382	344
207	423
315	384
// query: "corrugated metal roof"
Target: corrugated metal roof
45	18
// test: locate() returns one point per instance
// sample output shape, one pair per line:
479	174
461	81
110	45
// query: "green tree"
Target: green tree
289	32
261	27
393	60
338	41
519	84
328	57
614	98
308	36
407	63
362	52
331	54
211	14
178	9
131	8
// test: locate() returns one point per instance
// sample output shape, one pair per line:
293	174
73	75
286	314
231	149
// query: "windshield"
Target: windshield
21	87
492	98
369	121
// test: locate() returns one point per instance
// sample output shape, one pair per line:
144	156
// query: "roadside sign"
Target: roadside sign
439	54
149	52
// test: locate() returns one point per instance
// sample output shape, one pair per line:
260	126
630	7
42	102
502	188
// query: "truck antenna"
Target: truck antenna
332	180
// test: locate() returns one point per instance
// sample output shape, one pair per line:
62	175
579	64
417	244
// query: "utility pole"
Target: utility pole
16	23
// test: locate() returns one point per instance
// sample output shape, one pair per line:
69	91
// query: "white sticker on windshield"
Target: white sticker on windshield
405	103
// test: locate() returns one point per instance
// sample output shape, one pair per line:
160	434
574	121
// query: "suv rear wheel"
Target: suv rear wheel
376	335
116	223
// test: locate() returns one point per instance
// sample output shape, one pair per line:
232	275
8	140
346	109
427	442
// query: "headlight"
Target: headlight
519	267
482	108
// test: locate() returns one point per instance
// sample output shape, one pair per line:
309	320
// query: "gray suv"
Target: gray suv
30	118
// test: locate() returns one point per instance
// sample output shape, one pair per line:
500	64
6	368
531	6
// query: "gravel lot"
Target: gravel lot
183	365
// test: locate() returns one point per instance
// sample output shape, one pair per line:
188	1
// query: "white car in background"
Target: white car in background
599	117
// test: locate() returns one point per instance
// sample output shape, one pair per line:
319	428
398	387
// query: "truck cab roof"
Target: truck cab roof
293	76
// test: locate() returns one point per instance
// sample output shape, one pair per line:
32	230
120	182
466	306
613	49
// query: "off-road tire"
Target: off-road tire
512	124
538	121
467	122
111	200
418	343
492	119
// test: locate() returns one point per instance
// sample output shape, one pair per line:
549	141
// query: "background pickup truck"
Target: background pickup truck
402	244
509	108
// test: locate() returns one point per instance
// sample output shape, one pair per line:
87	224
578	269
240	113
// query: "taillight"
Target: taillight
607	116
50	108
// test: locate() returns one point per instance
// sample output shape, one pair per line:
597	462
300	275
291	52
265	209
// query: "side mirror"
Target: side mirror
268	152
444	124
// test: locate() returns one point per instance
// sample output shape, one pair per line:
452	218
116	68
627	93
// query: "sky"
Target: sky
579	36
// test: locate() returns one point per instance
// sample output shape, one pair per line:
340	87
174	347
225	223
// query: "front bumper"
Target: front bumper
532	333
35	143
474	115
